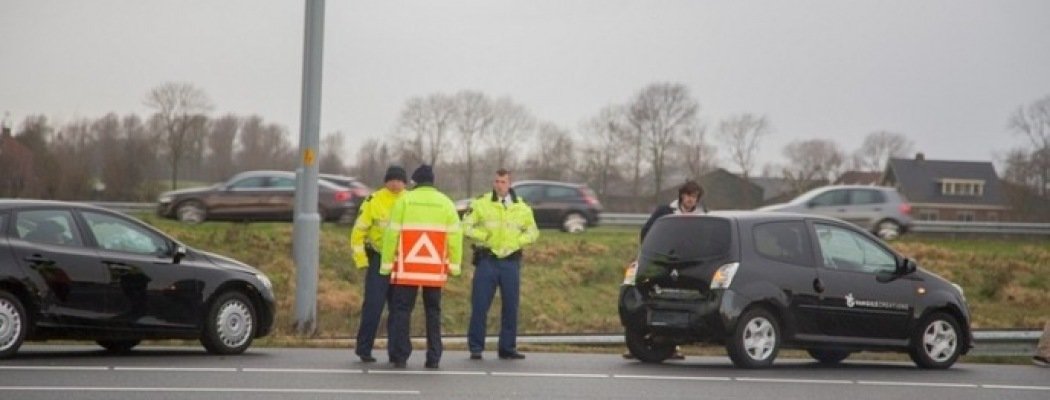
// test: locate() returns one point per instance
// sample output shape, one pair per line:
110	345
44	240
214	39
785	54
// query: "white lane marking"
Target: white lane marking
924	384
304	370
1016	387
52	368
547	375
674	377
776	380
201	389
397	372
174	369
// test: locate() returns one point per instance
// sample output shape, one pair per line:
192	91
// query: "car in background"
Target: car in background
571	207
75	271
878	209
358	192
758	282
254	196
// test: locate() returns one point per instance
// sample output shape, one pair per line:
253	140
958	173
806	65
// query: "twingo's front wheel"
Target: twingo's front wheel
756	340
935	344
230	325
14	323
643	347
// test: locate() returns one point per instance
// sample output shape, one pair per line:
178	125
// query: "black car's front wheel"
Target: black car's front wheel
118	346
191	212
13	324
230	325
935	345
643	347
756	340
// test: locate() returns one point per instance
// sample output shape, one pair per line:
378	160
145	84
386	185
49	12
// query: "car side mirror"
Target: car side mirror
179	254
906	266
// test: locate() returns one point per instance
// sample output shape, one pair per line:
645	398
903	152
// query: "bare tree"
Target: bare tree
222	135
510	123
178	107
331	159
264	146
473	115
424	125
879	147
662	114
696	154
1033	123
373	157
741	135
553	154
811	160
605	136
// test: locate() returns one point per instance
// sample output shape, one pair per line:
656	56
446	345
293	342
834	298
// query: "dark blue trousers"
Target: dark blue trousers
376	291
490	274
402	301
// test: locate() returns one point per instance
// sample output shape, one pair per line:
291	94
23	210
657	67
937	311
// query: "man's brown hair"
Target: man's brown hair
502	172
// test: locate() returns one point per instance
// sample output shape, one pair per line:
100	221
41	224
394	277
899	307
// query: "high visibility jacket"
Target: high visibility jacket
423	243
372	218
503	229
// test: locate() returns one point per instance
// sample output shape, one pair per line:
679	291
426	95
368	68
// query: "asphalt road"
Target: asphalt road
85	372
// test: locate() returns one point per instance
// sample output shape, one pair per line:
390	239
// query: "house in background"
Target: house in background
948	190
859	178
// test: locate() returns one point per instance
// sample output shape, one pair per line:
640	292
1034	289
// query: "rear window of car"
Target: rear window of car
688	238
783	241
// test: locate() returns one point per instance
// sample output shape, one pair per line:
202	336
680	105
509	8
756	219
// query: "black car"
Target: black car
758	282
74	271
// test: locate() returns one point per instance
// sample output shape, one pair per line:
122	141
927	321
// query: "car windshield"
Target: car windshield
688	238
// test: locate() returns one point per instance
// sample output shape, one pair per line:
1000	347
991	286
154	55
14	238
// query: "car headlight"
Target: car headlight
724	276
265	281
630	273
165	198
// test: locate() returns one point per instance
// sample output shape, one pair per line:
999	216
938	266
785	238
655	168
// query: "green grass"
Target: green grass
570	283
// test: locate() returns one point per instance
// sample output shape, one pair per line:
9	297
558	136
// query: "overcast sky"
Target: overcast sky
947	74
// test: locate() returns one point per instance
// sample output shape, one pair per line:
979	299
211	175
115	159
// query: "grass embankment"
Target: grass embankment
570	282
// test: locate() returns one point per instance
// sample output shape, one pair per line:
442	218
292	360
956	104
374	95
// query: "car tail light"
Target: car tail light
905	208
724	276
342	196
589	198
630	273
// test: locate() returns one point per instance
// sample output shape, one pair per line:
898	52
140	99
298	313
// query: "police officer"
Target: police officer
366	241
421	247
501	224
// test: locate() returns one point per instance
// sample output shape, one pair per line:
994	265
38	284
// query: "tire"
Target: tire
825	356
935	344
14	323
230	325
118	346
756	340
642	347
574	222
888	229
191	212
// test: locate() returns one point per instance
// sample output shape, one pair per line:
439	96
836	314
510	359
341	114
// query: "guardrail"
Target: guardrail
960	227
125	207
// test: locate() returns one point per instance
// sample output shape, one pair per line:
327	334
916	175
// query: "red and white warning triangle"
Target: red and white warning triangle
423	252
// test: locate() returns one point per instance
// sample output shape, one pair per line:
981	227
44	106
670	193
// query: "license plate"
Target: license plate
669	318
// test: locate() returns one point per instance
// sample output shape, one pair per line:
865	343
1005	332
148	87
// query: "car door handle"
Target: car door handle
38	259
117	265
818	285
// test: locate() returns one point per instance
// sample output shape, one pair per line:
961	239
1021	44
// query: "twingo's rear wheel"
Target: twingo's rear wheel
230	325
574	222
935	344
755	341
14	323
118	346
826	356
645	349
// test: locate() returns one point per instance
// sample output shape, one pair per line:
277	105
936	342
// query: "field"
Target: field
570	282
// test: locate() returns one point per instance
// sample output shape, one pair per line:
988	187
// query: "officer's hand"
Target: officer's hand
361	261
454	270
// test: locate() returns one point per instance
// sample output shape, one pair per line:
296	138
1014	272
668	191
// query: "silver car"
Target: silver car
880	210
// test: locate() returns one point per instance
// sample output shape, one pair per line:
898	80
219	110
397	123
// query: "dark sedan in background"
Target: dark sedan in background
256	196
74	271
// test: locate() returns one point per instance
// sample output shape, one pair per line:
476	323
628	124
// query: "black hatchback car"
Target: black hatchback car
757	282
74	271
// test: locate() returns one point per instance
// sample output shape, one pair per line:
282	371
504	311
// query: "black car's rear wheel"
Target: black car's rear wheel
191	212
644	348
574	222
118	346
936	345
755	341
825	356
230	325
13	324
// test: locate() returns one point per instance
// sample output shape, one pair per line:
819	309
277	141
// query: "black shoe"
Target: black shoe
367	359
431	364
1041	361
475	356
512	356
400	364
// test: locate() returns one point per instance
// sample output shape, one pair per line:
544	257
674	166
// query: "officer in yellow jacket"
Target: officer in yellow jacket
422	246
501	224
366	242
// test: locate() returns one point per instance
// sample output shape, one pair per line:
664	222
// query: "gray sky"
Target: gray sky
945	73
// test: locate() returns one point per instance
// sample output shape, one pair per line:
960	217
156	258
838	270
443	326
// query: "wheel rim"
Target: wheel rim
575	223
10	324
939	341
759	338
234	324
191	213
889	230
